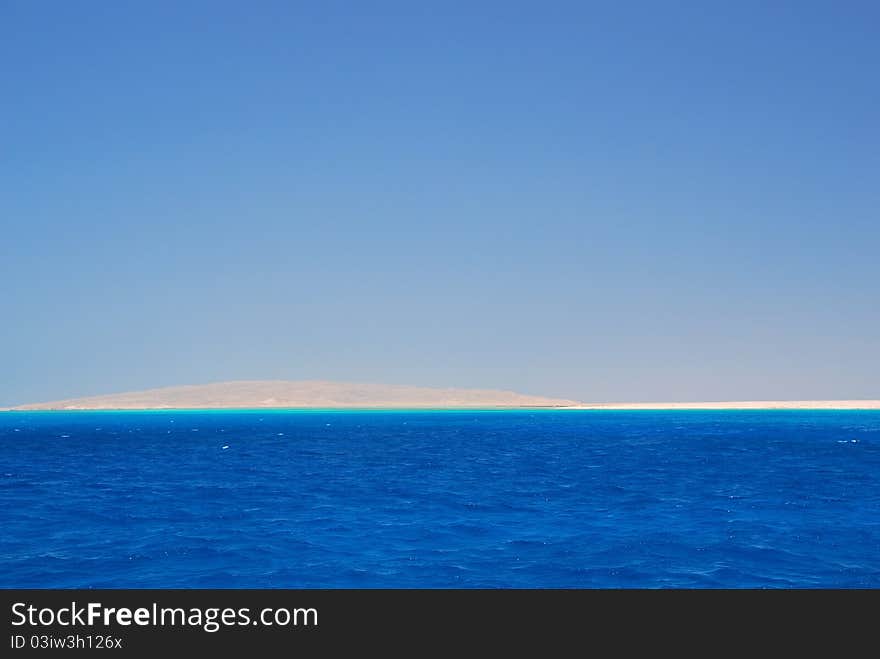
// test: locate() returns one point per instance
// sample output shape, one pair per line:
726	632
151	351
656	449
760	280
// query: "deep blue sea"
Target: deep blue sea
495	499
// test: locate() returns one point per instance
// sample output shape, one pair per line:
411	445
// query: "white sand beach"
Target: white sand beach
740	405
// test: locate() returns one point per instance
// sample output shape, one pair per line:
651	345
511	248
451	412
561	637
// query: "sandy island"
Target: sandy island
312	394
308	394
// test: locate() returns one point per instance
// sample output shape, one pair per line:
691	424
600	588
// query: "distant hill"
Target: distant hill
306	393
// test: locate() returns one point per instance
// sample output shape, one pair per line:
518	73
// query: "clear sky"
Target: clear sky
597	200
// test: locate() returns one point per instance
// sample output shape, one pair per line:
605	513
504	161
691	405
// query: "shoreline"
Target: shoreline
740	405
716	405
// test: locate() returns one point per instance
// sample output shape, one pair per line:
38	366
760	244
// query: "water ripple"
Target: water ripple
445	499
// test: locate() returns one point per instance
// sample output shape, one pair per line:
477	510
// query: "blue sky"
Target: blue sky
603	201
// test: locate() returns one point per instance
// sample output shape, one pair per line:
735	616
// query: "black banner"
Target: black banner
286	621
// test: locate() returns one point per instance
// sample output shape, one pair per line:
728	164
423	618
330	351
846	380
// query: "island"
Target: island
323	394
251	394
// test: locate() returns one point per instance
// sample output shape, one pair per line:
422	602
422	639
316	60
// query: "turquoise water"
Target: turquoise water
440	499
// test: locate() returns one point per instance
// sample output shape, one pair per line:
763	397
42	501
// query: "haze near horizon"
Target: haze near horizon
587	201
